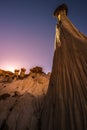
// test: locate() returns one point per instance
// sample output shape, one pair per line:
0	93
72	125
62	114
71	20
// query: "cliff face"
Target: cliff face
21	102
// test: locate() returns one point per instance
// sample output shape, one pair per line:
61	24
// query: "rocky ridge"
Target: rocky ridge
21	101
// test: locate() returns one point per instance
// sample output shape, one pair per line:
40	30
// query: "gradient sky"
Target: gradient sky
27	30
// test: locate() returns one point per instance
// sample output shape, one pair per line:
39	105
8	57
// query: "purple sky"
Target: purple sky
27	30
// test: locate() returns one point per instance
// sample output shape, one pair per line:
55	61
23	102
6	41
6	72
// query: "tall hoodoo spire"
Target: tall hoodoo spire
65	106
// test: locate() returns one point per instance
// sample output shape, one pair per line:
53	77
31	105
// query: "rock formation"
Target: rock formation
21	102
27	104
65	105
5	76
22	73
16	73
36	69
5	73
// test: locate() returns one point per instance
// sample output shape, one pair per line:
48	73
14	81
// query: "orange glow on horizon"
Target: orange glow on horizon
10	68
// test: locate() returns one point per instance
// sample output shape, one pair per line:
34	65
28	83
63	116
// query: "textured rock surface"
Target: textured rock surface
66	100
21	102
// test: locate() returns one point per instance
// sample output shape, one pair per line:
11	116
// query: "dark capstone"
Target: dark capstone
60	8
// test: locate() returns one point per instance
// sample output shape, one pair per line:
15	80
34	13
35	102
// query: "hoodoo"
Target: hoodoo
65	106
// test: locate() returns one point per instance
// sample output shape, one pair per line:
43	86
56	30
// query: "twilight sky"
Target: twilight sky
27	30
